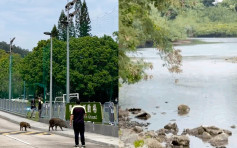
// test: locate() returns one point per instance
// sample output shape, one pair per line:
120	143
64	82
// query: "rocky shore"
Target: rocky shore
135	134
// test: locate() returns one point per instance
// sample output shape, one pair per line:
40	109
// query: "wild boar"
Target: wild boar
57	122
24	124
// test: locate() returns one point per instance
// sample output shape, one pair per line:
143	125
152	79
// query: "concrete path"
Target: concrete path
68	132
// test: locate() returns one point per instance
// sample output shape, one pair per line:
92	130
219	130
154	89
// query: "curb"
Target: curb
61	134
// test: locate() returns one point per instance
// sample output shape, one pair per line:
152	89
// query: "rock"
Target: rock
153	113
171	128
135	110
141	134
206	136
215	136
157	106
123	113
233	126
219	140
176	81
138	129
163	113
130	138
161	132
166	102
227	132
153	143
213	131
151	134
143	116
183	109
180	140
173	120
196	131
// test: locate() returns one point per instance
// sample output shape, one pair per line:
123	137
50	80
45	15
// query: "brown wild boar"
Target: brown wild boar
25	125
57	122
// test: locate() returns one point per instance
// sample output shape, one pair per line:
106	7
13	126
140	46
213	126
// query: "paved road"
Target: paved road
12	137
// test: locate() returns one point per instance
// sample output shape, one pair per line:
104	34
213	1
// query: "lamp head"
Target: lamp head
12	40
47	33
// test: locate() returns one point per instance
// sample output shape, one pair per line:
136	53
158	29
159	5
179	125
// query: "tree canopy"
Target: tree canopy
17	83
93	67
163	21
136	26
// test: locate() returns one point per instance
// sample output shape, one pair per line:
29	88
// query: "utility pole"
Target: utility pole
24	90
10	71
51	73
69	19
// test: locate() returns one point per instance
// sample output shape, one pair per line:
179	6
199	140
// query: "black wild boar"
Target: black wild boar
57	122
25	125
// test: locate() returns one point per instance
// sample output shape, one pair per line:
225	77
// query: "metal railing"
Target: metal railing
15	106
110	113
58	110
22	107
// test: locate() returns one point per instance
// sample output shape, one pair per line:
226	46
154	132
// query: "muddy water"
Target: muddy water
208	85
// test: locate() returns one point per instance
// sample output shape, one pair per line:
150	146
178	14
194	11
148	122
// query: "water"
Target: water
208	85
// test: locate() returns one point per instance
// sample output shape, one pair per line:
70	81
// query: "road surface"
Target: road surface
12	137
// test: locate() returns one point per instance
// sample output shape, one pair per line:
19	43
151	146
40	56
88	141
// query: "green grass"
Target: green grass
35	116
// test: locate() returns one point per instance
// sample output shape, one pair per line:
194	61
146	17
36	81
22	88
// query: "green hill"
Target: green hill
16	49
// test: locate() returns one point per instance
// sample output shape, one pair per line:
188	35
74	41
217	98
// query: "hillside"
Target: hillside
16	49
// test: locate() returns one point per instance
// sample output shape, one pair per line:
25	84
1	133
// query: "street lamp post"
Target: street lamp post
69	17
10	71
51	73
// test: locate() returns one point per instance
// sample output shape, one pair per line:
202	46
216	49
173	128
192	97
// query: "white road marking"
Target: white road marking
19	140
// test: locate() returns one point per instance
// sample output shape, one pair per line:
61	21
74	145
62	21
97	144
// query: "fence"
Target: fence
14	106
22	107
58	110
110	113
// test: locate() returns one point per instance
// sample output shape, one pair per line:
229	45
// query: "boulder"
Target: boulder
196	131
123	113
183	109
153	143
215	136
219	140
143	116
138	129
180	140
151	134
171	128
213	131
135	110
206	136
161	132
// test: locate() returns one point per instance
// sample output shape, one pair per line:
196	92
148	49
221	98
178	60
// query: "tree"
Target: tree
78	7
71	29
135	28
16	49
62	28
4	68
17	82
93	67
84	21
54	32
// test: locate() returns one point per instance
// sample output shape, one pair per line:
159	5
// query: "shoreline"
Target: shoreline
135	134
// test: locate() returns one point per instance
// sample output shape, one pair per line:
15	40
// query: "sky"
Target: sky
28	19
